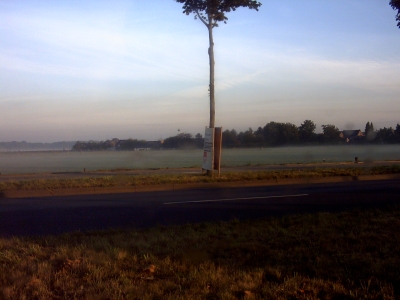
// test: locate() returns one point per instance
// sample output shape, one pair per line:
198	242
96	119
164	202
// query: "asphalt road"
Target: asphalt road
55	215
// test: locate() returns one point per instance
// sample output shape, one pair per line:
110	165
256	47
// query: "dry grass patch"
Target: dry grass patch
145	180
349	255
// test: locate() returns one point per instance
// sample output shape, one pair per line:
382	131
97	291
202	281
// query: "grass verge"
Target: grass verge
142	180
348	255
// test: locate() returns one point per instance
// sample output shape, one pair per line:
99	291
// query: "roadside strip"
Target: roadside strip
188	186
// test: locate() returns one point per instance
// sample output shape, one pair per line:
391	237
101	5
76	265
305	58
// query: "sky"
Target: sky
96	70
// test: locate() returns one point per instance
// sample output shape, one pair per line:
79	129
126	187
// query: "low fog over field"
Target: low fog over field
38	162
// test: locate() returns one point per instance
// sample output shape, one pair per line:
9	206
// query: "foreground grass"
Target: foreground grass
142	180
348	255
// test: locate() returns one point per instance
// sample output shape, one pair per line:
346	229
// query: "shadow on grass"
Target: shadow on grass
347	255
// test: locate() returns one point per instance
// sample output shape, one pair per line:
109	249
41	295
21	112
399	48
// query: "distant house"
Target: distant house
351	136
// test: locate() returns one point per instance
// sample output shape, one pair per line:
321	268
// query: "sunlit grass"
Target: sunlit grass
349	255
146	180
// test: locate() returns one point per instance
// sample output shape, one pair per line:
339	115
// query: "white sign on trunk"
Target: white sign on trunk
208	156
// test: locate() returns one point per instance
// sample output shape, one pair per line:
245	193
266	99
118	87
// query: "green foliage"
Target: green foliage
281	134
230	139
307	132
397	134
249	138
116	144
184	141
396	5
215	11
331	134
369	133
132	144
397	131
95	146
385	135
271	135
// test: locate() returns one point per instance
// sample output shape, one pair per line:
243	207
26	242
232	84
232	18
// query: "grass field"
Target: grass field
143	180
348	255
65	161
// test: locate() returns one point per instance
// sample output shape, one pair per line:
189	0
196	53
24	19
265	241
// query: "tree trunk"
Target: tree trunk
212	63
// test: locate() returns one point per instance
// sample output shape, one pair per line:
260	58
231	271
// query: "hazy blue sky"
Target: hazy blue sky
80	70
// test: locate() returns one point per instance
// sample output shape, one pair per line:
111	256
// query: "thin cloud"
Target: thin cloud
76	48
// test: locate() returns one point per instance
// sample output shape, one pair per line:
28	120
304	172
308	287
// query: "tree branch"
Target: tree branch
201	18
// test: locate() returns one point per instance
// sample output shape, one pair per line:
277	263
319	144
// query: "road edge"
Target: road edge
188	186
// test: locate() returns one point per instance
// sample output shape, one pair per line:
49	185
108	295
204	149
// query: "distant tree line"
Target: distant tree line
27	146
286	134
273	134
95	146
184	141
180	141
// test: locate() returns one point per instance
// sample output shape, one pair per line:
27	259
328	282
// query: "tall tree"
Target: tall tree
331	134
279	134
397	133
248	138
369	131
395	4
385	135
229	139
271	133
306	131
210	13
397	130
367	128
